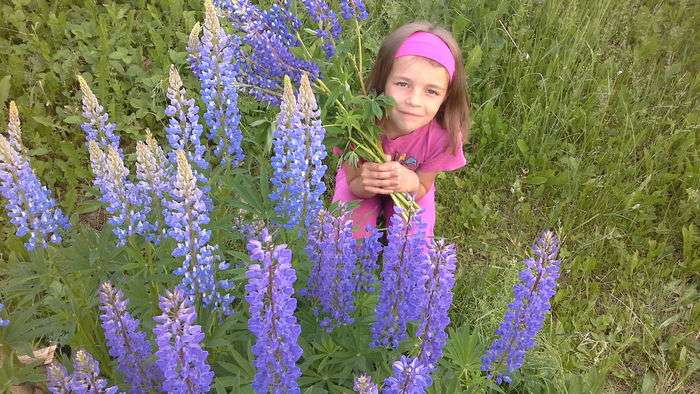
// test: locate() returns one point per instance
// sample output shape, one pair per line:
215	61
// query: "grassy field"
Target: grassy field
585	120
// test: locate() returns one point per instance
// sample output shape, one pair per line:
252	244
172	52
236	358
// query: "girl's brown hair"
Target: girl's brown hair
453	114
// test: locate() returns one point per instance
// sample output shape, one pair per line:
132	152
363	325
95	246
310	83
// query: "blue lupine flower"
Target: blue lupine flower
270	291
363	385
97	127
30	205
14	132
328	26
216	67
127	203
181	358
368	250
185	215
434	317
270	37
58	380
410	377
402	292
3	322
350	8
153	172
525	315
298	156
126	342
183	130
331	250
86	376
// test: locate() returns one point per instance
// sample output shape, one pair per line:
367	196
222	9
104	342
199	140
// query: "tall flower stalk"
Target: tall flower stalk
126	342
331	249
215	63
269	36
97	126
153	172
328	26
271	304
181	359
402	292
298	156
525	315
29	204
434	316
86	376
186	214
367	250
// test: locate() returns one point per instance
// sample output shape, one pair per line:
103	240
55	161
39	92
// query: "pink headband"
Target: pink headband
428	45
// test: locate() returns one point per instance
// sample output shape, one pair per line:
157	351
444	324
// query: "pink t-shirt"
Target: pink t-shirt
425	149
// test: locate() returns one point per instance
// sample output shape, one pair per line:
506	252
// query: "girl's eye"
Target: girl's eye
401	83
433	92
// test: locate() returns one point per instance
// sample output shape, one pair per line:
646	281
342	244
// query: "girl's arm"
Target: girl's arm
363	182
392	176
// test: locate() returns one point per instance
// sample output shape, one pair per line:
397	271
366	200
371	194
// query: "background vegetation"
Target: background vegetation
585	119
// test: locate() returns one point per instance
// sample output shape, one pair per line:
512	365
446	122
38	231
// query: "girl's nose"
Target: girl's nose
413	98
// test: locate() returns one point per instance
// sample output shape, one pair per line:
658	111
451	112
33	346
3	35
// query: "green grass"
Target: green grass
585	120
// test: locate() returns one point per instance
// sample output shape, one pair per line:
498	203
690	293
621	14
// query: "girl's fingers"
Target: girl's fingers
378	190
381	183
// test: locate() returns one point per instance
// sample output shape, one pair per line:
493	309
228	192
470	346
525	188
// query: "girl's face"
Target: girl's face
419	86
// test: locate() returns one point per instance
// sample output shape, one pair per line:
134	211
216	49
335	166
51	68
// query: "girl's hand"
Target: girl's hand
385	178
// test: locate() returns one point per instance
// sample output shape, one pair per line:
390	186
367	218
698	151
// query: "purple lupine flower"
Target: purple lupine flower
126	342
86	376
183	130
3	322
298	156
350	8
270	291
368	250
97	127
14	132
331	250
181	358
29	204
185	215
363	385
402	292
270	37
57	379
216	67
327	21
410	377
194	56
313	134
525	315
127	204
153	172
434	316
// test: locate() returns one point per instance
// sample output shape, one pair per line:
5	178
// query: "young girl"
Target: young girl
420	66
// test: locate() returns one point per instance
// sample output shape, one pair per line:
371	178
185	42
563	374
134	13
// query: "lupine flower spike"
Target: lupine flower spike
3	322
126	203
186	215
328	26
434	316
298	156
181	358
29	204
525	315
126	342
331	249
57	379
368	250
97	127
153	172
86	375
271	304
402	293
410	377
350	8
270	37
216	66
363	385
